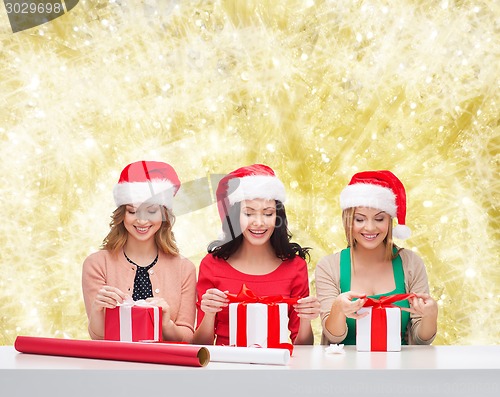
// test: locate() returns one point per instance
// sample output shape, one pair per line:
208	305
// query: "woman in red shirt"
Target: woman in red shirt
255	250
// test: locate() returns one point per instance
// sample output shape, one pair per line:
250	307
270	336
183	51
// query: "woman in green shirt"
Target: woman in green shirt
372	265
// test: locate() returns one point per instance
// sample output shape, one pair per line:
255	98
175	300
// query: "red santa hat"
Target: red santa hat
153	182
257	181
381	190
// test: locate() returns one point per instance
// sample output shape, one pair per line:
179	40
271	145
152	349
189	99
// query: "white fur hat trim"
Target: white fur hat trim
369	195
155	192
256	187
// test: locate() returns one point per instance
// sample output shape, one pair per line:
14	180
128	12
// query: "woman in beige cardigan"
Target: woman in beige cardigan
372	265
139	258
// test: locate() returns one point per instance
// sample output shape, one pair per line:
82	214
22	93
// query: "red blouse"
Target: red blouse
290	280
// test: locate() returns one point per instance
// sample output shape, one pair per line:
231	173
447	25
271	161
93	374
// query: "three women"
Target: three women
140	260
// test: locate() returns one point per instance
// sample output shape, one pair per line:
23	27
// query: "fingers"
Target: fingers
409	310
309	300
215	296
165	308
113	291
109	297
213	300
158	302
423	296
350	308
418	304
424	305
307	308
357	315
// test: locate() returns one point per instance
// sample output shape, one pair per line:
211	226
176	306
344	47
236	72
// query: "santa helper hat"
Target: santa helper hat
257	181
381	190
153	182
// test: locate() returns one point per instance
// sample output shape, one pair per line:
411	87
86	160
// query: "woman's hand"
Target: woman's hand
307	308
426	307
423	305
109	297
213	300
350	307
165	308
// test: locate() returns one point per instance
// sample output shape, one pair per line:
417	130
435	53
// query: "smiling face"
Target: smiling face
258	220
142	222
370	227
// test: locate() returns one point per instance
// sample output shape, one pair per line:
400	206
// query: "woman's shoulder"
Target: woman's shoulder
296	261
409	257
411	260
186	262
179	260
214	263
296	264
99	261
99	256
329	260
210	259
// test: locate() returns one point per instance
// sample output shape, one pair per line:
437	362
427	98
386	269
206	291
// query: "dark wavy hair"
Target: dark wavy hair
233	237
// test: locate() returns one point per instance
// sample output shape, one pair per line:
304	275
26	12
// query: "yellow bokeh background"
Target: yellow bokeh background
316	89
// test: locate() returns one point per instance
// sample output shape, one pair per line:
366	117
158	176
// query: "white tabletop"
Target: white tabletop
416	370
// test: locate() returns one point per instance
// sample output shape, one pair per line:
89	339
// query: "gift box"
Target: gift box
258	324
380	330
258	321
134	321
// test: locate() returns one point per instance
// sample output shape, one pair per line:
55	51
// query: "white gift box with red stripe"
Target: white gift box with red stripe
372	337
133	321
380	330
258	324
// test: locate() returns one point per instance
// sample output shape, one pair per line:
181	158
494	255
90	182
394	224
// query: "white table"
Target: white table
415	371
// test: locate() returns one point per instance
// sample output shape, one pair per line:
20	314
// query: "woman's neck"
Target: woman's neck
142	253
252	259
371	271
363	255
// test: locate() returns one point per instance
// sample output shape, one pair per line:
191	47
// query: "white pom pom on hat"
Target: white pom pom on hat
152	182
381	190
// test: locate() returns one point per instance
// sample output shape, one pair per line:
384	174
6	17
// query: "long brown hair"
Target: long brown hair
348	222
164	237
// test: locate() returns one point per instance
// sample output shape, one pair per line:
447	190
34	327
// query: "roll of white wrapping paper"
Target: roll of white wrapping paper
249	355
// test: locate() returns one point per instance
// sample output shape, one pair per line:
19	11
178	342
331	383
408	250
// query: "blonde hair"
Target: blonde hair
164	237
348	222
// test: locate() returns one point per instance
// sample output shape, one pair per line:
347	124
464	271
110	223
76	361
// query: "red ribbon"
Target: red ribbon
379	318
241	325
246	296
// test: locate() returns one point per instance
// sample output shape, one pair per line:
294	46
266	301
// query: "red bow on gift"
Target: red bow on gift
246	296
386	301
379	318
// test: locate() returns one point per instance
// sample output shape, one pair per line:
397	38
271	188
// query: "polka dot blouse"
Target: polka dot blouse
142	283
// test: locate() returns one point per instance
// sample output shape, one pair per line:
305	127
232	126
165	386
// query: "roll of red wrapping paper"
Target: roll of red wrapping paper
157	353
